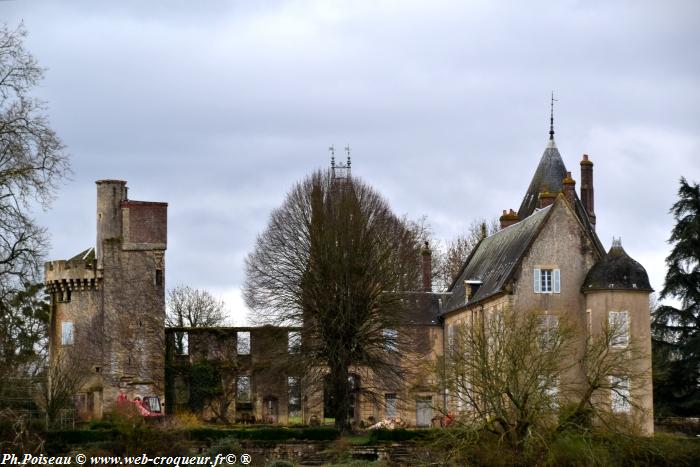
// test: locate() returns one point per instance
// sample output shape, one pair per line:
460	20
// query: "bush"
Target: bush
399	434
265	434
224	446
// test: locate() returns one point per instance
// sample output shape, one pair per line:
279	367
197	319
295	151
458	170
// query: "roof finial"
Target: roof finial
331	148
551	118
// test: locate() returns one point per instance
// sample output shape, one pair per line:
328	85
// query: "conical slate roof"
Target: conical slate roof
617	271
550	173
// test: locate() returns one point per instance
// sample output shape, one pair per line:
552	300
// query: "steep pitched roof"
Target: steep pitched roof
423	308
493	260
549	173
87	256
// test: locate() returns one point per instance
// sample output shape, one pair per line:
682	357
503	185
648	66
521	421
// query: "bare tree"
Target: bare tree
448	261
331	260
32	162
188	307
512	372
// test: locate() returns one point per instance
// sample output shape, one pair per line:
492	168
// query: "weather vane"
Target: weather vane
551	117
340	170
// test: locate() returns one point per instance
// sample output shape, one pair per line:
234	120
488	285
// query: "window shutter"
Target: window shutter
557	281
538	283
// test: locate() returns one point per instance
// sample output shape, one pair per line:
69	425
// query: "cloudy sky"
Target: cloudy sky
219	107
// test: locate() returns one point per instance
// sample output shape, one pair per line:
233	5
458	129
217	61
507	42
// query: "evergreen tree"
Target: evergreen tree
677	329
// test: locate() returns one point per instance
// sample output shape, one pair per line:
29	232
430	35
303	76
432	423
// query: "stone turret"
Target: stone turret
617	298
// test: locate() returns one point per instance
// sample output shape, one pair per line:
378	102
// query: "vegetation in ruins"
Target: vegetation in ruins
676	329
190	307
330	260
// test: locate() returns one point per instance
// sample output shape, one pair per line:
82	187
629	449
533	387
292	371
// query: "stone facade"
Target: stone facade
108	307
108	303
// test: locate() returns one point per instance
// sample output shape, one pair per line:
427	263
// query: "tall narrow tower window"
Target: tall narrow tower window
67	333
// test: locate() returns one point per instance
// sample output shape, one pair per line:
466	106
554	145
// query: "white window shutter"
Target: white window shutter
538	282
557	281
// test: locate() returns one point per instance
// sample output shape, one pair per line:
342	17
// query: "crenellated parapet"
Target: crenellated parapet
76	274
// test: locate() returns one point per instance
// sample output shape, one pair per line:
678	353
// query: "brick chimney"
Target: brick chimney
508	218
546	197
569	185
427	267
587	188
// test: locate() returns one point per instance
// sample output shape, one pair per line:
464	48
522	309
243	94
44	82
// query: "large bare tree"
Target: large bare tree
331	259
32	165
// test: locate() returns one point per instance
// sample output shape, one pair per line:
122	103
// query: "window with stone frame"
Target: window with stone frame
548	331
619	394
547	280
618	324
67	333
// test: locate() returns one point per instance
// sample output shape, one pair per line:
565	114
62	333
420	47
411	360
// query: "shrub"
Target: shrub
399	434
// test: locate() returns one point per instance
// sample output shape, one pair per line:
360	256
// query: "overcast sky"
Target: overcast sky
219	108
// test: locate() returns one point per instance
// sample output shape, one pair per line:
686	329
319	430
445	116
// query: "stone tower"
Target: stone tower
617	296
108	302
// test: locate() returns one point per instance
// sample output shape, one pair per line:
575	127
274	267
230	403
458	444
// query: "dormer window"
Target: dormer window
547	280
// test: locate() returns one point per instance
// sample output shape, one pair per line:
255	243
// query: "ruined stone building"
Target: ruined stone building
108	302
108	305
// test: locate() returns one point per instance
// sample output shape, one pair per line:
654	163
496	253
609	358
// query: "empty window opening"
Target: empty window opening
294	399
182	343
390	404
243	389
159	278
391	340
294	342
243	343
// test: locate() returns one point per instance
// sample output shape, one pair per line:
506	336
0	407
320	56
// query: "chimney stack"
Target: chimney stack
427	267
569	185
587	188
546	197
508	218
